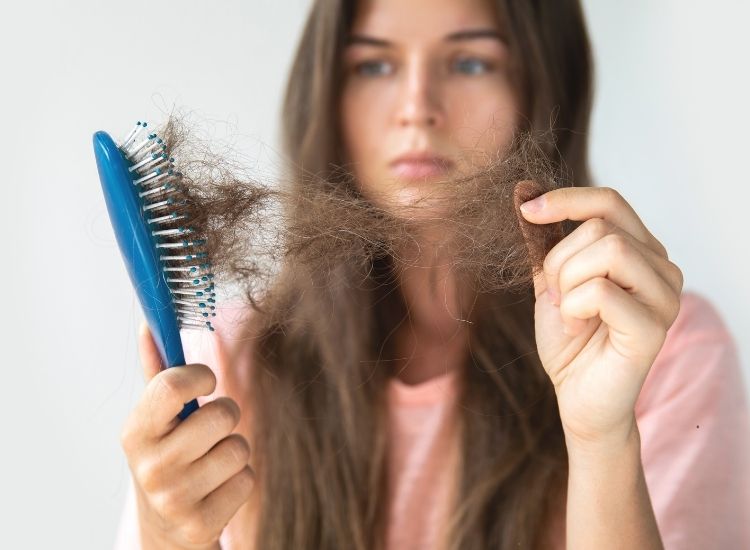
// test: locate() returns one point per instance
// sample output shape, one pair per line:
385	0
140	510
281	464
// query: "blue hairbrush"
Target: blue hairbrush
164	255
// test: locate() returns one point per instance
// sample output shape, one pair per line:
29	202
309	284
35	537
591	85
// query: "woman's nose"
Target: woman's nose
419	100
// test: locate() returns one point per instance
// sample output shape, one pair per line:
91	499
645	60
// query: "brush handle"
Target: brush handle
139	252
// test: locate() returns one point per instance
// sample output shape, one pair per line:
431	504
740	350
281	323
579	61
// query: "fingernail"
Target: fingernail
534	205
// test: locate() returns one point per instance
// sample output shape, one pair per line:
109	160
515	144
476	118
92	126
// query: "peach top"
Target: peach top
692	415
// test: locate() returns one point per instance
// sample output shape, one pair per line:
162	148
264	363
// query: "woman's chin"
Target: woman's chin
412	199
413	206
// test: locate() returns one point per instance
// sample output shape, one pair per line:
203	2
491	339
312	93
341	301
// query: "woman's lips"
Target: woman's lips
419	169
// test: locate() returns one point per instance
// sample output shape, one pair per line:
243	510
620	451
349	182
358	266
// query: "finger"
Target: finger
592	231
583	203
167	393
634	331
149	354
221	504
212	422
615	258
224	460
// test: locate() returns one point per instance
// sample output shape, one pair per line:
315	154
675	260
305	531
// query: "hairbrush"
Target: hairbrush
165	256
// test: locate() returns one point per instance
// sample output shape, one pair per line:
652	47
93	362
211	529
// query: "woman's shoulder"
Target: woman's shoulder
699	347
691	414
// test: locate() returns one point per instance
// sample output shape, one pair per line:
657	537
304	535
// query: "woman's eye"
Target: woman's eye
371	68
472	65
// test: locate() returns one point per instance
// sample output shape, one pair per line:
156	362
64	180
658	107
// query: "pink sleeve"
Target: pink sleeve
694	423
211	349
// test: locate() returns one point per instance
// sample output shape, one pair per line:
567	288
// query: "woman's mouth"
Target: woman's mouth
420	166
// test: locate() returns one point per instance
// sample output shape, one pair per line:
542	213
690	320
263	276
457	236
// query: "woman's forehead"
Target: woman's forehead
395	21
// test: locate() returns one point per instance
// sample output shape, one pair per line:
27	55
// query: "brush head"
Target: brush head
165	256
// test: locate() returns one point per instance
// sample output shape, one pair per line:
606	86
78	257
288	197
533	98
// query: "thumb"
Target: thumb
539	238
149	353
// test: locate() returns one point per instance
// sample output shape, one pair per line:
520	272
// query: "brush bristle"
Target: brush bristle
182	252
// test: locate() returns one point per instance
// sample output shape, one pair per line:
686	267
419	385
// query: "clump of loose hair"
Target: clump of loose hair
253	226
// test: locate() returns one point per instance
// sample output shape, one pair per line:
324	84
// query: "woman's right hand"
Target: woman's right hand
191	476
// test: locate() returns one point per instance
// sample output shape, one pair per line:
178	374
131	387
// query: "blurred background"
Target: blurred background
669	132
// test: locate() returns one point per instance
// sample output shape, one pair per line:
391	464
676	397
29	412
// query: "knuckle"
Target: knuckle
197	532
565	277
596	228
238	448
617	244
246	480
206	371
225	414
611	195
242	483
168	384
674	310
653	322
678	275
150	475
127	438
600	288
169	456
172	503
147	478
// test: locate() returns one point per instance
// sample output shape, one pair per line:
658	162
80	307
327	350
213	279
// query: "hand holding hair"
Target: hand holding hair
605	297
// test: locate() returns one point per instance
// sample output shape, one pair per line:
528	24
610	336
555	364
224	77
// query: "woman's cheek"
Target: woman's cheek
483	119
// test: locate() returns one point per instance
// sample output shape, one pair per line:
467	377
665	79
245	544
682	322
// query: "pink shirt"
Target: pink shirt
692	414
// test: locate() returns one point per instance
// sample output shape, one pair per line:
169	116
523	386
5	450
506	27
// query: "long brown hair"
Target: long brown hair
320	430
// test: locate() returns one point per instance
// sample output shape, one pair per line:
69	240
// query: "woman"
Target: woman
584	415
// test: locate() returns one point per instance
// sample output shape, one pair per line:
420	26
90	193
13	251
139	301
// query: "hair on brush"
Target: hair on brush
164	252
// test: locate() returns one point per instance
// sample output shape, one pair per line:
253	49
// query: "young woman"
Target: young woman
604	409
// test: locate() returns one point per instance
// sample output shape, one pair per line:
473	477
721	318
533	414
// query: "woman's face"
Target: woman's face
427	79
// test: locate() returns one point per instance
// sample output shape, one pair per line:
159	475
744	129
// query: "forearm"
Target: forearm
608	504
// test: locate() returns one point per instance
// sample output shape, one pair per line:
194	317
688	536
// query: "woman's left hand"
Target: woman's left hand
604	301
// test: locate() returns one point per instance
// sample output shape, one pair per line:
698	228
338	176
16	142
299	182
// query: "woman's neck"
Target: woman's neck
433	338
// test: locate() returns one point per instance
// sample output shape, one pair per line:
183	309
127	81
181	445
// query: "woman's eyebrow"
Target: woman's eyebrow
471	34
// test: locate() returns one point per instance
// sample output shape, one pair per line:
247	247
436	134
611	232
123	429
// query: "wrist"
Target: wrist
612	446
152	542
152	539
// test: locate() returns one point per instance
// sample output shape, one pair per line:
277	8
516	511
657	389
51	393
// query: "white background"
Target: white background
669	131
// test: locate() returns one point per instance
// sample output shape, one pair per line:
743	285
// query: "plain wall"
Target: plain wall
669	132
